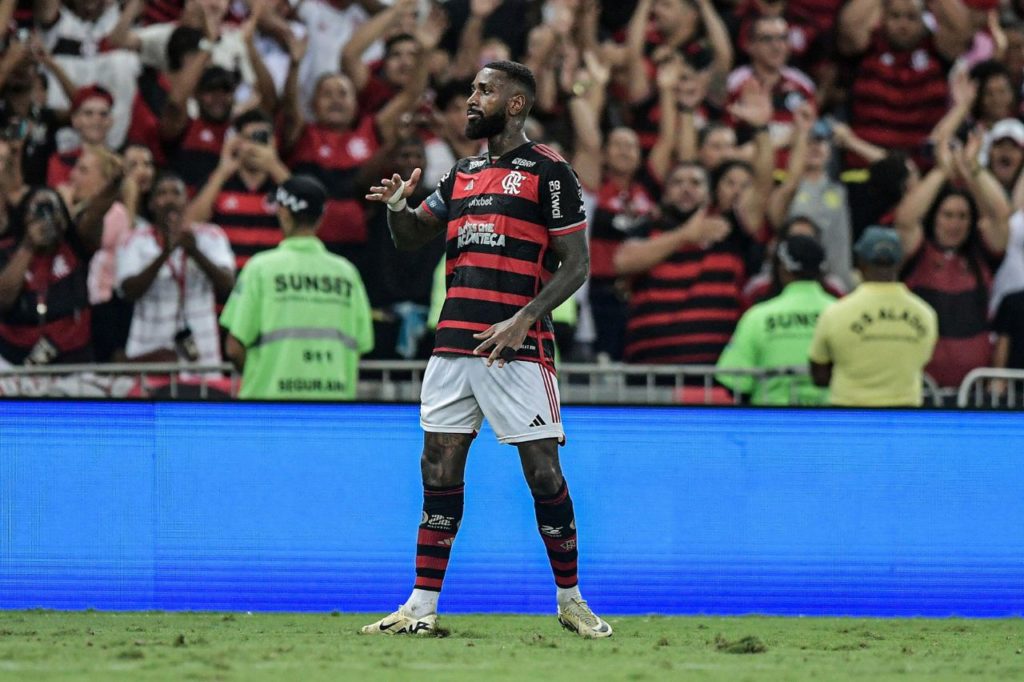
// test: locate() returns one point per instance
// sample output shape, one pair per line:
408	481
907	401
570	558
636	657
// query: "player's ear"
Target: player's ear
516	104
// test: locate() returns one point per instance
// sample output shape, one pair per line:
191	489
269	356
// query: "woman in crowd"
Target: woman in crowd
954	236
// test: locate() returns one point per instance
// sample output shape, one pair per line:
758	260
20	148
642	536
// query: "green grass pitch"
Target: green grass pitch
38	646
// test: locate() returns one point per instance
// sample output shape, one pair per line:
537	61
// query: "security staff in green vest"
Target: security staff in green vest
777	333
298	318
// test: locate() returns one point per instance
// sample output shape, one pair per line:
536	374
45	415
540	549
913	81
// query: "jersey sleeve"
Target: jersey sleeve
440	199
740	353
241	316
561	199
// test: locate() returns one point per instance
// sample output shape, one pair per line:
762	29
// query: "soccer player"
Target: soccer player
516	249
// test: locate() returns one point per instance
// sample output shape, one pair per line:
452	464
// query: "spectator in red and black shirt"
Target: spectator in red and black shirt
658	31
689	268
44	301
236	195
342	147
24	115
954	240
404	53
193	145
91	119
789	88
899	87
155	89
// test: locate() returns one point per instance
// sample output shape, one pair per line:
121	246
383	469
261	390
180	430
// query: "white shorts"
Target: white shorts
519	400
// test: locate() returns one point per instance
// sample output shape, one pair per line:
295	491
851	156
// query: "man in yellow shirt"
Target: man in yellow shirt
870	347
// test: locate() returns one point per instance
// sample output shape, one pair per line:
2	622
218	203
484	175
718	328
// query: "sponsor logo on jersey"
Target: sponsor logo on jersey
555	190
482	201
479	233
513	182
523	163
476	163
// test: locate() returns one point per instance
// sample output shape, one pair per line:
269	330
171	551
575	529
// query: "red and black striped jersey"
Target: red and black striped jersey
248	218
501	215
196	154
898	96
618	211
335	158
685	308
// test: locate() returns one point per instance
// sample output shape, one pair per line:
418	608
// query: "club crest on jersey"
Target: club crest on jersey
512	182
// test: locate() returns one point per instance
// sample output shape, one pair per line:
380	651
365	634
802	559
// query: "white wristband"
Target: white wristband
397	201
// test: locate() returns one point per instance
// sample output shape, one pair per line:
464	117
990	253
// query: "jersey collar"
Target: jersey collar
303	243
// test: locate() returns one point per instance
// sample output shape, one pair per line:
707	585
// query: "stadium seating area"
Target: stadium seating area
741	121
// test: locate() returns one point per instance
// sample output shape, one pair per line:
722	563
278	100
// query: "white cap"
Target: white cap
1008	128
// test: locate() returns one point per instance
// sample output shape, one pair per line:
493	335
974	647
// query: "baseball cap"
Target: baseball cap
217	78
879	246
1008	128
303	195
90	92
801	253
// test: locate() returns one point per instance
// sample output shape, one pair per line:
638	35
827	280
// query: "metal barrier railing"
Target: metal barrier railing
120	380
401	380
992	387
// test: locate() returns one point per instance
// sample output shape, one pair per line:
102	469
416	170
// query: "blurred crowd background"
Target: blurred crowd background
140	143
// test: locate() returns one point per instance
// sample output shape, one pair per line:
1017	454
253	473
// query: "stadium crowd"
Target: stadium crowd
141	144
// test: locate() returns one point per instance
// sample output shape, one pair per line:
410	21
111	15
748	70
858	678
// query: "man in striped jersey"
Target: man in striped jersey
516	249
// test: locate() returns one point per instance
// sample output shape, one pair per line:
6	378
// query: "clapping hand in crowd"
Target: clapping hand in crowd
754	106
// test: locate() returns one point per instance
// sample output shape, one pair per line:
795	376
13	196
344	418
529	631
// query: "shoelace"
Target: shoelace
582	611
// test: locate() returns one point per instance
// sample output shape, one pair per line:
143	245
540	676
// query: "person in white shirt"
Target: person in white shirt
74	33
174	273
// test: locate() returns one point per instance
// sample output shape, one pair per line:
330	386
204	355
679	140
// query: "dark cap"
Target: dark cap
879	246
801	253
303	196
217	78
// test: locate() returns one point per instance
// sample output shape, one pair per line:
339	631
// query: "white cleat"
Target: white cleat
577	617
402	623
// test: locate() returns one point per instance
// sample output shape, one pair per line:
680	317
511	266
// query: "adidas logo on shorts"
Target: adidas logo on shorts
537	421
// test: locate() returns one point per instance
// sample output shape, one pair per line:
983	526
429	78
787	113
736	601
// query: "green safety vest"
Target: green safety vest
777	333
304	318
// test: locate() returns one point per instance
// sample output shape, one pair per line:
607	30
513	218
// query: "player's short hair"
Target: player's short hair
518	74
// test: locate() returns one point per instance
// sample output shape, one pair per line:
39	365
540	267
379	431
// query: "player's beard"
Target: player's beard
487	126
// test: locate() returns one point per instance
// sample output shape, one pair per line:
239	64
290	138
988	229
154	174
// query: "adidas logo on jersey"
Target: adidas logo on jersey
469	185
537	421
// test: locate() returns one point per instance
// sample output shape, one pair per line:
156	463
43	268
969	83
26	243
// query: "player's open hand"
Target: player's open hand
389	187
502	339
